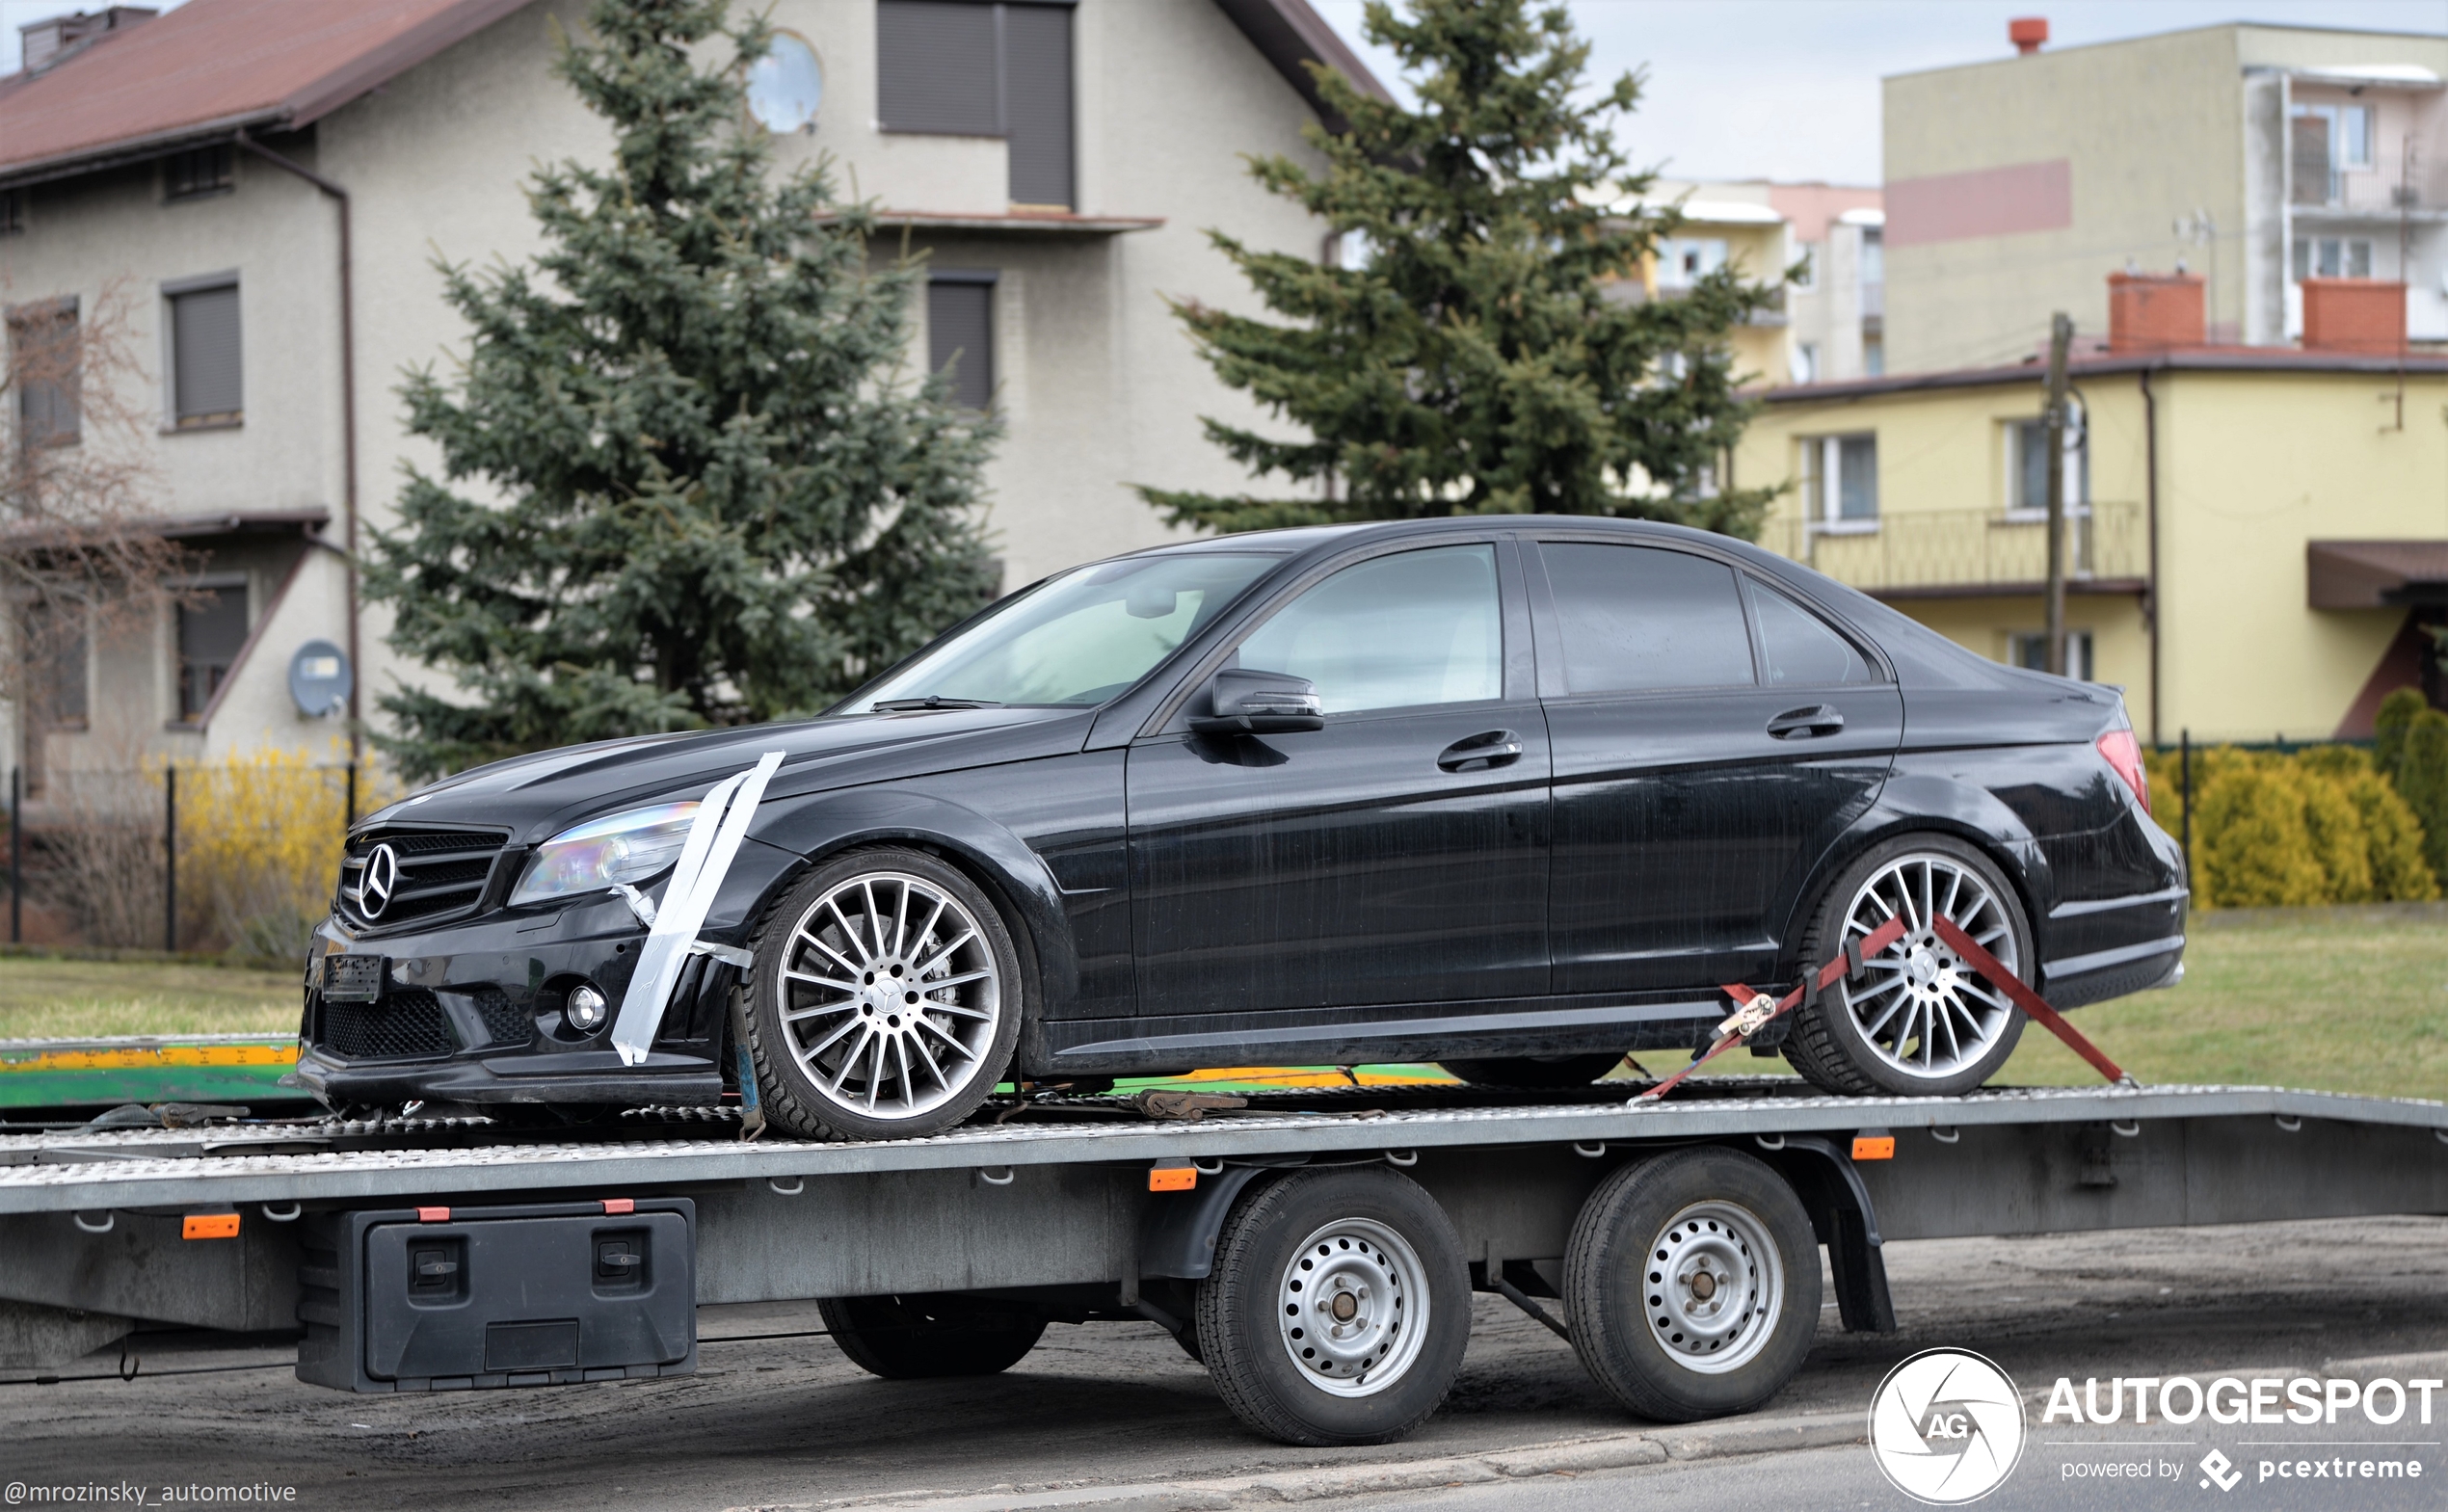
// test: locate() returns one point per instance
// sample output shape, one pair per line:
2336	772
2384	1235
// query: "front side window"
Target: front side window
1402	631
1641	620
1077	640
212	629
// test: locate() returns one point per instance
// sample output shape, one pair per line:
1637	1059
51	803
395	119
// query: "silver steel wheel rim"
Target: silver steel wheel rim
1715	1285
889	995
1352	1306
1923	1010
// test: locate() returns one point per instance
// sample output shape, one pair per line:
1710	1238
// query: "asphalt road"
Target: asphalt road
777	1422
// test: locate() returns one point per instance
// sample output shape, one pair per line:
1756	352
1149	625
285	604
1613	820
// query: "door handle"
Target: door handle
1807	724
1478	752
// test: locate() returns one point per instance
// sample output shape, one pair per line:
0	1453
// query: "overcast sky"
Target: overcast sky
1780	89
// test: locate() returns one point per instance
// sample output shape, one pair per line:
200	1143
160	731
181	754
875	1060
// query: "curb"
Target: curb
1738	1437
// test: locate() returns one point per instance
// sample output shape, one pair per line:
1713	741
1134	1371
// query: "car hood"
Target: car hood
537	796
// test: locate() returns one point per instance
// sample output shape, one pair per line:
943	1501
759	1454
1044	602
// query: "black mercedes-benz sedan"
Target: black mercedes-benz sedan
1516	795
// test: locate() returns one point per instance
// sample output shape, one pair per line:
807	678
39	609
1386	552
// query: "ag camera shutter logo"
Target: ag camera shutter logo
1946	1427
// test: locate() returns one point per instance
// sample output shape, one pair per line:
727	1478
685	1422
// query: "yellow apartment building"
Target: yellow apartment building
2256	538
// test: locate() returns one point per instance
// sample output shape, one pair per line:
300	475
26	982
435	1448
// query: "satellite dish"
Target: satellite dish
320	680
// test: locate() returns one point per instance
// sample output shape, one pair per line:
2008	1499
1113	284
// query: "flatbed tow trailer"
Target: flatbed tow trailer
451	1254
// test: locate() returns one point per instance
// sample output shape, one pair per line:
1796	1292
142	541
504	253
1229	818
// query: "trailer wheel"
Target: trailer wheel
1692	1283
884	1000
919	1336
1535	1070
1337	1309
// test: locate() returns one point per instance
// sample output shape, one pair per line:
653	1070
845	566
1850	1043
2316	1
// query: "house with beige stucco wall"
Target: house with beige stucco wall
261	188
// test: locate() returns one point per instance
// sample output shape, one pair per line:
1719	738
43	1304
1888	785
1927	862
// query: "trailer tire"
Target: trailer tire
1535	1072
1673	1347
1324	1278
925	1336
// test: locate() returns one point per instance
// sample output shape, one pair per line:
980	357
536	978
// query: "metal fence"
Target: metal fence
233	856
1932	550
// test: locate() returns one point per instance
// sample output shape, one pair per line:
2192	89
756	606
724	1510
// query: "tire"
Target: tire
921	1337
884	1000
1535	1070
1295	1252
1671	1347
1875	1039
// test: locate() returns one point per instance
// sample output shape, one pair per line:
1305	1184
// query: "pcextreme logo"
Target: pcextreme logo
1946	1427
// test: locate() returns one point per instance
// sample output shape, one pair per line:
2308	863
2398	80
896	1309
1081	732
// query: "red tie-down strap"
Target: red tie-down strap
2006	982
1750	1016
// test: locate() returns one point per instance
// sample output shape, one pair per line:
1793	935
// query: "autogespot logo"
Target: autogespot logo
1946	1427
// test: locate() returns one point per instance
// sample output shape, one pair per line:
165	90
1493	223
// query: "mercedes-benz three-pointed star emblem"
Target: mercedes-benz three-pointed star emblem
378	882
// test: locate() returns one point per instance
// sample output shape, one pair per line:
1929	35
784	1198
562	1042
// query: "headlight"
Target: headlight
603	853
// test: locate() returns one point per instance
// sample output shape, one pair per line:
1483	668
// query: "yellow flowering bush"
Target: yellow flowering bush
2298	829
259	841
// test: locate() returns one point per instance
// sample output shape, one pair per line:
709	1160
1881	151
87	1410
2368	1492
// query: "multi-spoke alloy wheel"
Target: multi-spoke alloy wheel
883	998
1921	1021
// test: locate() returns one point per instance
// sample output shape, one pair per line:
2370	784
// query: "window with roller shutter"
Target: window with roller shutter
960	332
984	69
208	383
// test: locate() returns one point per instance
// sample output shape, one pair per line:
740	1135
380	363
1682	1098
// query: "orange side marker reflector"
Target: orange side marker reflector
615	1206
1172	1177
1874	1146
433	1216
210	1226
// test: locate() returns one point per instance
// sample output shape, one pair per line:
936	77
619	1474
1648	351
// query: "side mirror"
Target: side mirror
1246	701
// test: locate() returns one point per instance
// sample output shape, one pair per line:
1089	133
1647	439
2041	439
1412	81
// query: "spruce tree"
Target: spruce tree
1487	356
709	494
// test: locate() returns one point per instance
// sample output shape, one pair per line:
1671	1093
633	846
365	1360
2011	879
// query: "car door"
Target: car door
1713	738
1397	854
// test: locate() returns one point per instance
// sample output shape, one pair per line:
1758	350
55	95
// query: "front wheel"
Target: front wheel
1922	1022
884	1000
1337	1309
919	1338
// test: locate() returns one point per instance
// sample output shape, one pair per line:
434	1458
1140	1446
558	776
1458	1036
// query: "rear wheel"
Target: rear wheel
1337	1309
1922	1022
919	1336
1535	1070
1692	1283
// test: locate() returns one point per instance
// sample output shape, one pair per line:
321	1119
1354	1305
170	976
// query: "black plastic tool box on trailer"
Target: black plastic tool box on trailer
435	1299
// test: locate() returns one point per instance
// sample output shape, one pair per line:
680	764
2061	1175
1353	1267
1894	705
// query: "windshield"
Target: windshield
1079	639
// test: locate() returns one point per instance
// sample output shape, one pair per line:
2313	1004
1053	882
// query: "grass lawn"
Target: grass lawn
2342	1000
45	998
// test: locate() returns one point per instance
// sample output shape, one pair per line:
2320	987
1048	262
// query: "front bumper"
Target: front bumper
470	1013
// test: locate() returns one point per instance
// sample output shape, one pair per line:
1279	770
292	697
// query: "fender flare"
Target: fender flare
791	834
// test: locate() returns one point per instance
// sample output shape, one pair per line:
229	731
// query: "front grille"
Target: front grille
441	874
506	1022
404	1025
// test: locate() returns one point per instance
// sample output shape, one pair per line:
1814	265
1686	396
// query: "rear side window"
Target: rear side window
1400	631
1798	648
1639	620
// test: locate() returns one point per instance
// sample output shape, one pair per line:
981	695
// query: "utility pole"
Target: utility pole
2061	337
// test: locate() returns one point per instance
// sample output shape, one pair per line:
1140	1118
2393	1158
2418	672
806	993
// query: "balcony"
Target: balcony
1945	553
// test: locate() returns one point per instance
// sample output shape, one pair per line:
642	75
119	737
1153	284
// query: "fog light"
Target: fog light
587	1008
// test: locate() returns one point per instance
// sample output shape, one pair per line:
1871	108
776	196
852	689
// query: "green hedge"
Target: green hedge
2324	824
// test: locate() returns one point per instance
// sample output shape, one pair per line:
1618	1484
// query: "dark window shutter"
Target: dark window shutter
935	67
960	334
1037	102
205	348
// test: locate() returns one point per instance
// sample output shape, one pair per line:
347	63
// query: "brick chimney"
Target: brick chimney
2154	311
2028	33
2365	315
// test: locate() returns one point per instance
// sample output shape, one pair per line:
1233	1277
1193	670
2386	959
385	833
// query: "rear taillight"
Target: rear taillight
2122	750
